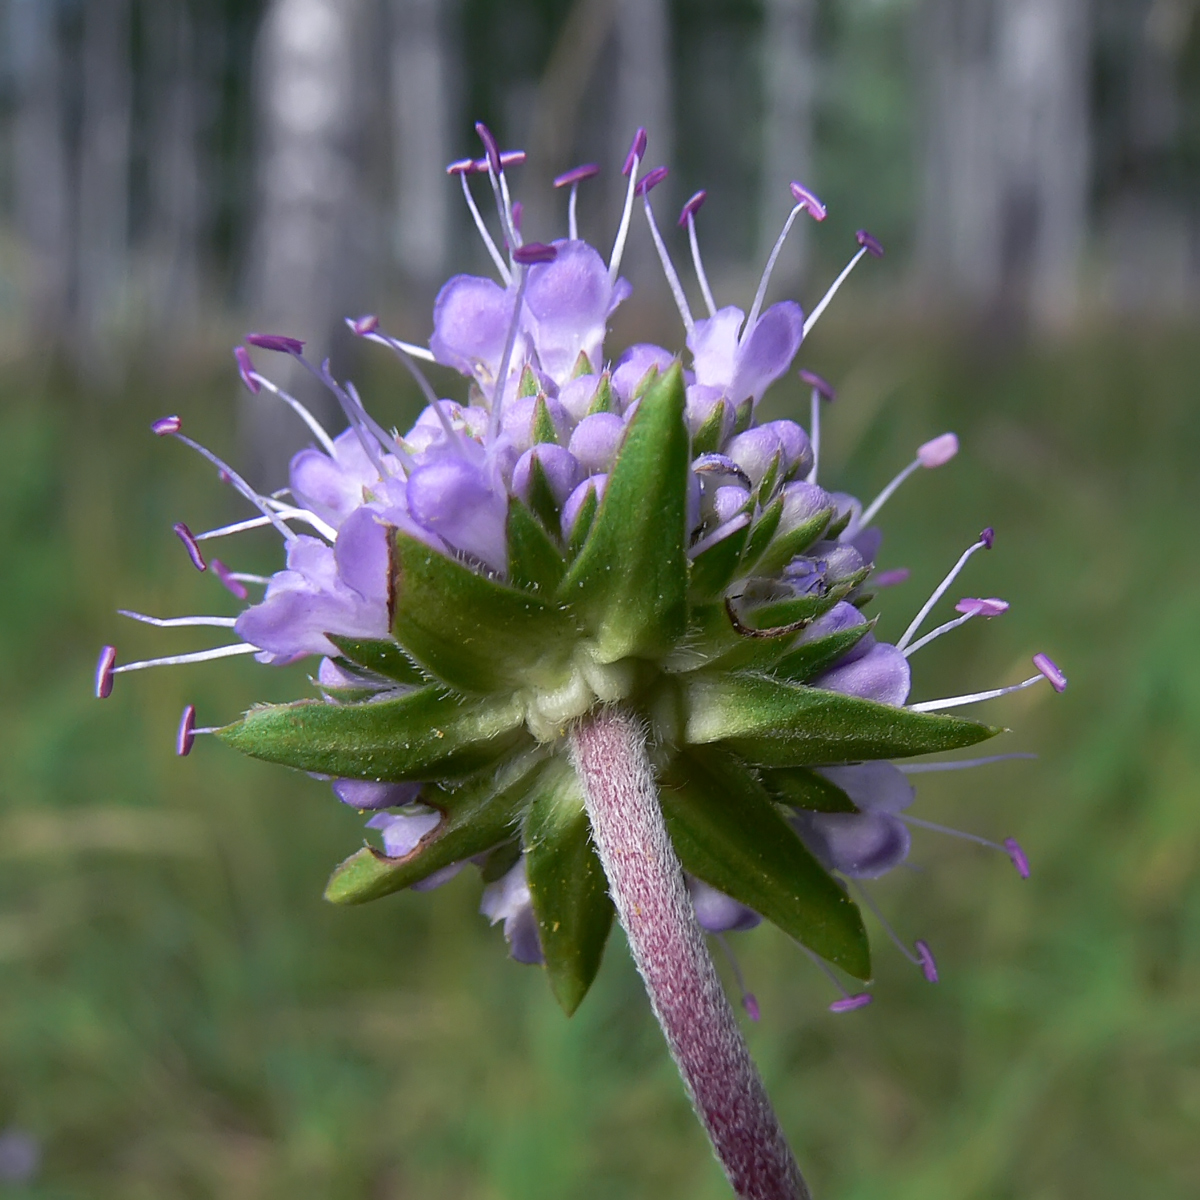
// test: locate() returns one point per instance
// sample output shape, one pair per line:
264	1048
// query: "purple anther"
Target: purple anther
808	200
693	206
850	1003
988	537
184	534
511	158
576	175
870	243
750	1004
193	547
186	734
165	426
223	573
365	324
650	180
104	671
534	252
518	211
637	148
1049	668
818	383
461	166
489	144
939	451
245	366
928	962
892	578
975	606
276	341
1018	857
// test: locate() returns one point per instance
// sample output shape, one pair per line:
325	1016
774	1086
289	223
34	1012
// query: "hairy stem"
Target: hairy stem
668	947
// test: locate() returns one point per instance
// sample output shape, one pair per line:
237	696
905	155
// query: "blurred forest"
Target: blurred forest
180	1013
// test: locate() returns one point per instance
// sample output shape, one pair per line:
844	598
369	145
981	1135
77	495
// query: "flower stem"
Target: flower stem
646	882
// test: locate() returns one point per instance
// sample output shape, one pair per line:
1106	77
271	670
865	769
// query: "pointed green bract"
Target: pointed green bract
478	816
773	723
729	833
528	385
567	883
707	439
543	424
761	533
534	561
383	657
804	661
629	584
584	520
802	788
713	569
425	734
602	401
541	496
783	547
477	634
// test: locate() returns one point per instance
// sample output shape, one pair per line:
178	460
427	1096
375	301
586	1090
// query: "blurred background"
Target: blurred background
180	1013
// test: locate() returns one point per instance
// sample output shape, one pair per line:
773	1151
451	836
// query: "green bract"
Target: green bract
490	672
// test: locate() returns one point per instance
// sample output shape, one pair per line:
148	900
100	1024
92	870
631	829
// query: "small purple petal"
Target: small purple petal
275	341
718	913
870	243
981	607
193	547
877	786
808	200
882	674
223	573
850	1003
577	499
576	175
365	324
750	1004
489	144
559	466
637	149
939	451
892	578
1018	857
928	962
650	180
104	671
863	845
245	367
165	426
596	440
1049	668
535	252
365	794
988	537
186	734
693	206
403	832
819	383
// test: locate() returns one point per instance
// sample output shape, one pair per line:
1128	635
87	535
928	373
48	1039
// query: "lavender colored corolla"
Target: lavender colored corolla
598	631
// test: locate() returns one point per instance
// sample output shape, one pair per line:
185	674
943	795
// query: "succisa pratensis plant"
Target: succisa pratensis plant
599	632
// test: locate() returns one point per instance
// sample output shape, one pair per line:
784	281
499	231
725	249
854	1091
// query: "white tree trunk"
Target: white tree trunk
40	167
308	109
422	127
789	67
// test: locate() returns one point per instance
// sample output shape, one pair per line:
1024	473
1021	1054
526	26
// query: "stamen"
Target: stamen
231	476
1018	857
668	267
633	160
749	1000
928	962
518	211
178	622
489	144
477	217
815	315
574	178
919	958
186	537
413	351
776	250
535	252
719	534
363	325
870	243
232	582
186	734
821	389
315	426
807	199
688	217
892	578
1049	668
847	1002
165	426
975	697
505	358
959	764
104	671
176	660
650	180
984	543
1009	846
236	527
290	512
934	453
276	342
495	174
969	608
245	365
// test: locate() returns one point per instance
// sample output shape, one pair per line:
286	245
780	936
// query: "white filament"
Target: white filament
176	660
497	257
833	289
974	697
178	622
668	267
938	593
698	263
776	250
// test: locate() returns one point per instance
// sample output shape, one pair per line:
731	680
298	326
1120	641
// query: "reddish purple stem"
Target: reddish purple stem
668	947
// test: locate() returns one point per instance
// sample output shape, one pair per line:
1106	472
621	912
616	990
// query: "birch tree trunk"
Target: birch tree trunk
40	167
789	68
308	175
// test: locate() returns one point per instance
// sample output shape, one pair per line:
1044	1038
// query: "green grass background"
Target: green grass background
182	1016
